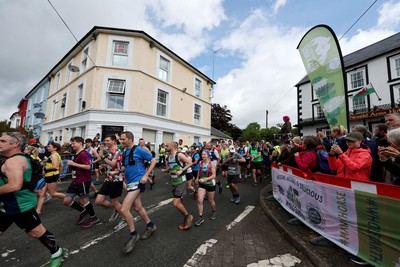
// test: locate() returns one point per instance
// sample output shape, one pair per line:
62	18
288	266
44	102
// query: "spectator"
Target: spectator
392	121
286	129
356	162
380	132
296	147
284	155
390	156
307	159
338	134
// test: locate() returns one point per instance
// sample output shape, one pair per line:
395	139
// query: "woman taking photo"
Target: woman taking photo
206	181
355	163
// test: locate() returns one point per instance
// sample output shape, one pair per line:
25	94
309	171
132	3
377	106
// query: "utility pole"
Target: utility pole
266	119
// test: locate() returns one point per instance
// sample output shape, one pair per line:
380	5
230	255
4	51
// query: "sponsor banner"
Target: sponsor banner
322	58
363	224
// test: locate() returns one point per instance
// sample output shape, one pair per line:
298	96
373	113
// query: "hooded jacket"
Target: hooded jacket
307	160
355	163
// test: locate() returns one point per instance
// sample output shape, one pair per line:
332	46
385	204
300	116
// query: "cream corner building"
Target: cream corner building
118	79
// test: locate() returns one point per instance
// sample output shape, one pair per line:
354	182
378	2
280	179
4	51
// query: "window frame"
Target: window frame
79	96
115	94
158	103
393	70
170	67
198	89
84	59
110	50
197	121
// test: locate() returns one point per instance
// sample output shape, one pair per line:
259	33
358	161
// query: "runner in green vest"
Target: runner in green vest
256	159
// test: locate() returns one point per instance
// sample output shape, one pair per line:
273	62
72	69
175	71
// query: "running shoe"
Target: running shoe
92	221
120	225
227	186
233	199
56	261
220	189
114	216
187	222
213	215
237	200
130	244
148	232
199	221
48	198
82	217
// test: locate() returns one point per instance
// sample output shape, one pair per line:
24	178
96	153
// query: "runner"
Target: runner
113	182
195	167
52	169
19	202
224	168
256	159
189	172
161	156
100	165
232	160
206	181
93	157
81	181
175	164
136	177
216	159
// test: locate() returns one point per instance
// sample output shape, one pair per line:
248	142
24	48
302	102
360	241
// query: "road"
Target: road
101	245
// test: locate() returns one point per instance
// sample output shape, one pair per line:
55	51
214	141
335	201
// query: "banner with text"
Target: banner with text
322	58
362	223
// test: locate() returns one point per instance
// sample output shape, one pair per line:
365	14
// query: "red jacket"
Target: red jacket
353	164
307	160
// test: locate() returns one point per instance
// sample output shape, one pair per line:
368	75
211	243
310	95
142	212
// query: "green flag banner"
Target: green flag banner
322	58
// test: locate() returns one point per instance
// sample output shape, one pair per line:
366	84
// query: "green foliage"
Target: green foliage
268	134
5	127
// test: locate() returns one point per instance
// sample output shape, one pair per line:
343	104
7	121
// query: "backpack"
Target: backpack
212	154
131	161
37	181
322	162
194	154
208	173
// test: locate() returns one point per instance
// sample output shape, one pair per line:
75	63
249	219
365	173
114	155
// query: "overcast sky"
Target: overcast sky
255	70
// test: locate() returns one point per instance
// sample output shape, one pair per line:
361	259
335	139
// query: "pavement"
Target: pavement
250	247
299	235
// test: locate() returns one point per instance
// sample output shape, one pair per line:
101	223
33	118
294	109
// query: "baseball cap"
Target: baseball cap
184	150
354	136
200	144
232	149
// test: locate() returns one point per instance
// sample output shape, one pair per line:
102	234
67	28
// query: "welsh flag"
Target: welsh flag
367	90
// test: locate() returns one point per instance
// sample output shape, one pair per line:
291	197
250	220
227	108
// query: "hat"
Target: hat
354	136
200	144
232	149
286	118
184	150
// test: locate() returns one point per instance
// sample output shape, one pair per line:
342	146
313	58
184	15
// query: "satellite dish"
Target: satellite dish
73	68
39	115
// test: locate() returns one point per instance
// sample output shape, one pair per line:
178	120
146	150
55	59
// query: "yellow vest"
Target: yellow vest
49	165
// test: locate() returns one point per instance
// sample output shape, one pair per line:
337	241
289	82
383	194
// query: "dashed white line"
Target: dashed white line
246	212
201	251
285	260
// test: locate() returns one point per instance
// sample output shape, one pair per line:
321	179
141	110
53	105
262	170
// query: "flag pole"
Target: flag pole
379	99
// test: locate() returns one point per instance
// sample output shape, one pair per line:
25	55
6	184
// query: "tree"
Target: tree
5	127
221	117
252	132
235	132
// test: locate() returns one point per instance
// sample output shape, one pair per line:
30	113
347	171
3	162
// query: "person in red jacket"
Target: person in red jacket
356	162
307	159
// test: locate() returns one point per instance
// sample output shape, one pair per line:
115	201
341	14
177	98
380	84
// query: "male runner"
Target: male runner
113	183
19	202
177	164
80	185
136	177
232	160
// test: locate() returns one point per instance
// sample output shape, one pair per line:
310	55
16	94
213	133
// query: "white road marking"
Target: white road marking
201	251
98	239
285	260
5	254
246	212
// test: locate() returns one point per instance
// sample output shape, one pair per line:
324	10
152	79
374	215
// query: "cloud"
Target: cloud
271	66
389	15
278	5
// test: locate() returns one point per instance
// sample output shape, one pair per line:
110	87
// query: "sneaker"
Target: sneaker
213	215
233	199
120	225
82	217
255	184
187	222
92	221
237	200
148	232
227	186
357	260
56	261
130	244
48	198
220	189
199	221
114	216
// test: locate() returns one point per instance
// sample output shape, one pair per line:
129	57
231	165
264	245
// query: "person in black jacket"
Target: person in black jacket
390	156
